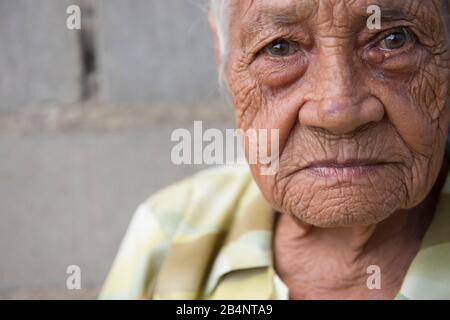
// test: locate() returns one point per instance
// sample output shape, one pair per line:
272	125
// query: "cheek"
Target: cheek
276	74
430	89
417	108
246	96
251	112
256	106
260	90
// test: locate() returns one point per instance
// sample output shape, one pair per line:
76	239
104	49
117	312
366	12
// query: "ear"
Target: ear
213	27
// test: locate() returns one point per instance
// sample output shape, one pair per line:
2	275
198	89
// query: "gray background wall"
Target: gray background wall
85	124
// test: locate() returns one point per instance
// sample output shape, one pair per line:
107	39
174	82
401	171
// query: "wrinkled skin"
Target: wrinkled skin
340	95
340	98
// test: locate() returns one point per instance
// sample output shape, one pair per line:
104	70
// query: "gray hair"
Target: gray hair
219	10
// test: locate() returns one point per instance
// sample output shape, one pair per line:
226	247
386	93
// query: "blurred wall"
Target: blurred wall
85	123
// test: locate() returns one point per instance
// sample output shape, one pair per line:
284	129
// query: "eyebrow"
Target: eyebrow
395	15
283	16
277	17
291	15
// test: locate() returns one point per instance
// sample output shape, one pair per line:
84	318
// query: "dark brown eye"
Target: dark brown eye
281	48
395	40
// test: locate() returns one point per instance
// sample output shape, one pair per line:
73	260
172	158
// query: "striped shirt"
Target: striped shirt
210	237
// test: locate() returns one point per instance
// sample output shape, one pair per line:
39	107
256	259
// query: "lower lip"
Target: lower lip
344	171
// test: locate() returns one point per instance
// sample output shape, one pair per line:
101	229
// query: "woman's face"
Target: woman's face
362	113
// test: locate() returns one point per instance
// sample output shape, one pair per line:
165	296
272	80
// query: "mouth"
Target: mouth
344	169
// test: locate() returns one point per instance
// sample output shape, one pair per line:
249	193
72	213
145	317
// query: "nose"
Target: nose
341	115
340	103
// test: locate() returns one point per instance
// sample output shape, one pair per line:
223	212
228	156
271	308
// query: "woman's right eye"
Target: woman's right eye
281	48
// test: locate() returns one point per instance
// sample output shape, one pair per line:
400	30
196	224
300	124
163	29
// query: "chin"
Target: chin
341	207
354	216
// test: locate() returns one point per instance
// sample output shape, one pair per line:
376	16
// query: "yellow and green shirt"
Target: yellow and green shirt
210	237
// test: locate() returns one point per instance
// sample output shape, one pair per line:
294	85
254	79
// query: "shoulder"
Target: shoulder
210	192
197	205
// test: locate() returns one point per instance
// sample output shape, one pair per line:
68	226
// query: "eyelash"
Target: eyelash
412	37
264	45
383	35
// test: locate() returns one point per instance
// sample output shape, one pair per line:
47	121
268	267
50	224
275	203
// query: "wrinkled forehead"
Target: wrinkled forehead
340	12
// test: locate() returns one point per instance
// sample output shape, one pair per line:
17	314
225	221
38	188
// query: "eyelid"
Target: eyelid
263	48
382	35
299	38
294	45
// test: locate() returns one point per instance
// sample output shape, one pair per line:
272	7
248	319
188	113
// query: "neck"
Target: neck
318	263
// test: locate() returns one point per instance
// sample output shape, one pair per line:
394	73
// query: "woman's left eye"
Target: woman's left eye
395	40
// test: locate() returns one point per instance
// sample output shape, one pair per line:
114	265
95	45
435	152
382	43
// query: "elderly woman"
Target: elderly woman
358	208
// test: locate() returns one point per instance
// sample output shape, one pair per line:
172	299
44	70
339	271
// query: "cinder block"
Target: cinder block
39	56
153	51
67	198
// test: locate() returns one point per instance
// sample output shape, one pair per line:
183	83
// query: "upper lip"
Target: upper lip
344	164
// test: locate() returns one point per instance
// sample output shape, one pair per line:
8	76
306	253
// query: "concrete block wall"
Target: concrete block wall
85	124
39	57
155	51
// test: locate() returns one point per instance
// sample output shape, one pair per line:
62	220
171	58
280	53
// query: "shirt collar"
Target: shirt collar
248	243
